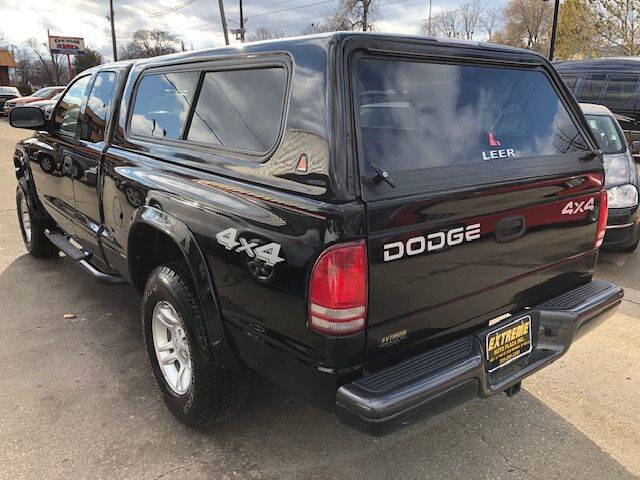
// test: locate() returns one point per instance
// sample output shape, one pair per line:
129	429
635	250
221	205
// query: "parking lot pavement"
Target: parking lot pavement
77	399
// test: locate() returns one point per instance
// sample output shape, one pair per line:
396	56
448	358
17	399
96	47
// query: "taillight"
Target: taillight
338	290
602	218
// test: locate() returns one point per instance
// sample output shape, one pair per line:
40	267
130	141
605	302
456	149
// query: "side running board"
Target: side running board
82	257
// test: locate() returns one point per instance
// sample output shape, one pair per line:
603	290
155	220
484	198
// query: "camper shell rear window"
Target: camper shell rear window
416	115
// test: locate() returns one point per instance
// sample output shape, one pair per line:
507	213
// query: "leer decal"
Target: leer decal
498	153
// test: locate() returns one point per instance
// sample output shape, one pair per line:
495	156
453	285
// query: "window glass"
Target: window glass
66	115
592	88
240	109
416	115
162	104
42	93
571	81
620	88
609	136
9	90
98	104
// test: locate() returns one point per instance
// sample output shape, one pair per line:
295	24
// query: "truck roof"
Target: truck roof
320	39
613	63
594	109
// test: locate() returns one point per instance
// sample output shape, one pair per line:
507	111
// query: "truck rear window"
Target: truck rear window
416	115
610	138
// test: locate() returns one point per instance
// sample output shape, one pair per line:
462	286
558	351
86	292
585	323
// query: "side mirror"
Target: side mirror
635	147
27	117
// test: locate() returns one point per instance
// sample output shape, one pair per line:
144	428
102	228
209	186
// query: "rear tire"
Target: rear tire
195	387
32	228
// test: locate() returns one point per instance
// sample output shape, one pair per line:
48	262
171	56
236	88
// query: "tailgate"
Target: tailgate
495	204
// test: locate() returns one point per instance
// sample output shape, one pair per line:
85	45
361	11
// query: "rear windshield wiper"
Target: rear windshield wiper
380	176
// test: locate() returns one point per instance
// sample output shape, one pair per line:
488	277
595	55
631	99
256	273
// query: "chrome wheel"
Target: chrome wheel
25	218
172	347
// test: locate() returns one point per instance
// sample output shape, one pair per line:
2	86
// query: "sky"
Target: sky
196	22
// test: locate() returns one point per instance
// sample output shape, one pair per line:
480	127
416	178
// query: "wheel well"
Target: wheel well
148	249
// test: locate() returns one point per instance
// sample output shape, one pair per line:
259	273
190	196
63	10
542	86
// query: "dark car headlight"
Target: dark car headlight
623	196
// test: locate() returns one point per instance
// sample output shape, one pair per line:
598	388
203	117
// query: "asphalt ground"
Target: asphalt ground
77	399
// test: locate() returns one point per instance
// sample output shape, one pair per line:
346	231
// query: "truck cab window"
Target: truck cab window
592	89
571	81
98	105
620	88
66	116
240	109
162	104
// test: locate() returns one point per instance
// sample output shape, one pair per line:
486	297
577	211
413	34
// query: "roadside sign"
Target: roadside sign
66	45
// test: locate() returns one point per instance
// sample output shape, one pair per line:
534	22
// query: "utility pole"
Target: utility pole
241	24
113	32
554	27
54	65
430	32
224	22
365	13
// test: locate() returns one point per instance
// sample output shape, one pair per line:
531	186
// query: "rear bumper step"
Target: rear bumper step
455	372
83	258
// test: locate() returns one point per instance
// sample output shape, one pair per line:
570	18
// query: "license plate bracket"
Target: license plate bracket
508	342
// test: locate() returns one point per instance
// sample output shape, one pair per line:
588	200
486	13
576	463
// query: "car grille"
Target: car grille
617	235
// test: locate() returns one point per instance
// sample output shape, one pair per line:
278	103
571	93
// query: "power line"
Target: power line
383	7
389	5
320	17
165	12
292	8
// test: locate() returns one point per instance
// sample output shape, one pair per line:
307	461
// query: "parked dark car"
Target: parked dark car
612	82
7	93
383	225
43	94
621	179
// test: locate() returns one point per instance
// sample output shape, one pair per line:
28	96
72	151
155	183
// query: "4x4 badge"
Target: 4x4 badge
267	253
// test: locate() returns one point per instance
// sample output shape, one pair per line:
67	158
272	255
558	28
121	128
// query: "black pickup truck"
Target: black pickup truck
383	225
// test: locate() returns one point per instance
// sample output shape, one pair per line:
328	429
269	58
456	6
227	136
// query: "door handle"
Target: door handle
510	228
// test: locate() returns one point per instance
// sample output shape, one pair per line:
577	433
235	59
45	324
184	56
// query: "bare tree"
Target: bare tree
264	33
150	43
527	25
355	15
446	24
49	69
469	15
618	24
490	19
320	27
25	67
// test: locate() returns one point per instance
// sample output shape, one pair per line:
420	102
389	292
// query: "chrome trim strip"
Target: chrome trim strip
620	226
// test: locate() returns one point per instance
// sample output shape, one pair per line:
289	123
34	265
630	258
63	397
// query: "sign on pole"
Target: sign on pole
66	45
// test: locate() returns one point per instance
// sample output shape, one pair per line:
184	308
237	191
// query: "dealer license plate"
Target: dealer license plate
508	343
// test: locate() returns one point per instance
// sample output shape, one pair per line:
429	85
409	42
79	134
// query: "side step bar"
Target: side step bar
82	257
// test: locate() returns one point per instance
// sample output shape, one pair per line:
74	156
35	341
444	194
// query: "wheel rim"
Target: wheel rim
25	218
172	347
